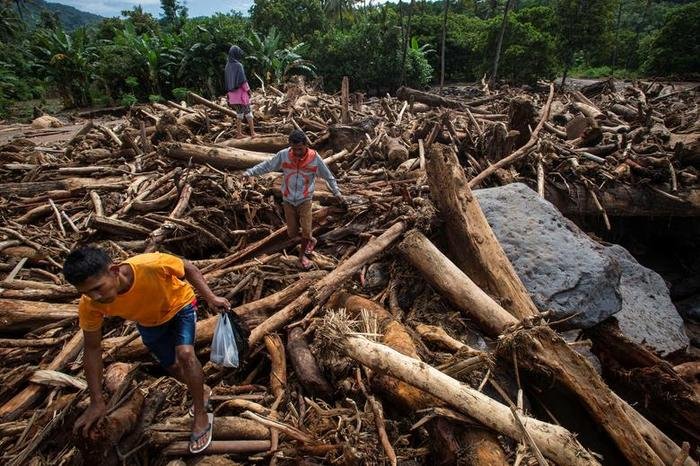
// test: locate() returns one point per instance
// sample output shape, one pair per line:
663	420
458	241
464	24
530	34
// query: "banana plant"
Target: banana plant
67	62
273	62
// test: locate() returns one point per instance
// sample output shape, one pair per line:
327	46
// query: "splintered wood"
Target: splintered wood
412	339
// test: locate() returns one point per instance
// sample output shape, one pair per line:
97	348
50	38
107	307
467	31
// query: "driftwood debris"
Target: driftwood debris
411	339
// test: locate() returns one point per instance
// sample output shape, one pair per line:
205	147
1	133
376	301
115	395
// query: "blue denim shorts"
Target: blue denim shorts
162	339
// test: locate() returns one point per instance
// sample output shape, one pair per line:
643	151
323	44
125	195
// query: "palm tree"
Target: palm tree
337	8
442	52
500	43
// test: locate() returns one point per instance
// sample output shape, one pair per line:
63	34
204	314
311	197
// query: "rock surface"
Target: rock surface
576	278
647	316
564	270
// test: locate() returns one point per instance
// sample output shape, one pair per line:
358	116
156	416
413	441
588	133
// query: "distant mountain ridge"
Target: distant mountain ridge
71	18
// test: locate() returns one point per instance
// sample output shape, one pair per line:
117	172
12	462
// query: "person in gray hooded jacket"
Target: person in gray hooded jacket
299	165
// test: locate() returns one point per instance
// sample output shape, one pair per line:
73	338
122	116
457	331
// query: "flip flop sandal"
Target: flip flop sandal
207	405
310	246
208	432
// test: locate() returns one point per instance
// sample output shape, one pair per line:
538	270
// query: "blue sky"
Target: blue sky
195	7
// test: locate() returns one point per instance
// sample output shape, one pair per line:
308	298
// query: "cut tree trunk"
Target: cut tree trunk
25	399
225	428
454	285
217	157
427	98
35	188
306	367
278	363
624	201
472	244
19	315
208	103
268	143
396	152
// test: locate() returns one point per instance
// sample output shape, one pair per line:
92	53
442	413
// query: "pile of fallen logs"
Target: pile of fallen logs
412	339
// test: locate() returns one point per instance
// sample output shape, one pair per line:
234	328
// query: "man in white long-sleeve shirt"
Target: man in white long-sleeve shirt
299	165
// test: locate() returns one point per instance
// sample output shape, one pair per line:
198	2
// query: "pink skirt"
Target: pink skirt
239	96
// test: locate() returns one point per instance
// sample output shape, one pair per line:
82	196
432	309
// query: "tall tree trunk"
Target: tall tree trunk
442	52
500	44
406	41
638	30
617	39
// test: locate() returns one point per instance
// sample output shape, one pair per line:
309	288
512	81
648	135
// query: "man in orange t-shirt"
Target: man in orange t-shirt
156	291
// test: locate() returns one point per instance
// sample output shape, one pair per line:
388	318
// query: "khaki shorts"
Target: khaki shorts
298	216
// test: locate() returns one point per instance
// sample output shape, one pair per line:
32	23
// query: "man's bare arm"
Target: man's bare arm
195	277
92	362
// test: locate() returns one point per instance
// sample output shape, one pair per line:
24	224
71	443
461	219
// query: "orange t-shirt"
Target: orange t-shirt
158	292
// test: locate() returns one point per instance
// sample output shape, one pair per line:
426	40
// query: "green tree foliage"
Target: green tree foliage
174	14
529	50
272	62
139	58
583	26
297	20
370	53
67	62
205	43
675	48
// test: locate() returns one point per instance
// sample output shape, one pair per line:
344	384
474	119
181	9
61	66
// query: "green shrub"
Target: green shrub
180	93
128	100
675	48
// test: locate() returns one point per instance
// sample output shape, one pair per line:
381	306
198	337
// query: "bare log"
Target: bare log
18	315
225	428
306	367
457	287
201	100
218	157
219	447
427	98
268	143
278	371
474	247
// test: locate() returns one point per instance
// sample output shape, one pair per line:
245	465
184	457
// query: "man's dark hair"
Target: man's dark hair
297	136
85	262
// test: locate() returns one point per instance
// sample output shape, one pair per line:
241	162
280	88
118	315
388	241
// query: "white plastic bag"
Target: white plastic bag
223	347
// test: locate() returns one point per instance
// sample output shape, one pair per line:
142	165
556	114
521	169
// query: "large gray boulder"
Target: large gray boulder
569	274
565	271
647	316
